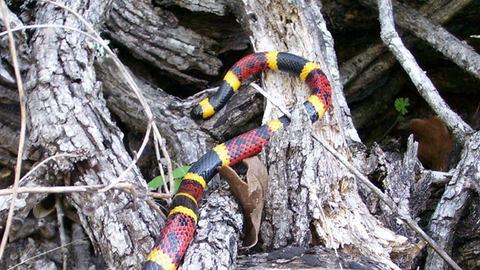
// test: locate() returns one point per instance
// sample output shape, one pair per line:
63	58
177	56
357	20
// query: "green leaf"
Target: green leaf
156	182
177	182
178	174
401	105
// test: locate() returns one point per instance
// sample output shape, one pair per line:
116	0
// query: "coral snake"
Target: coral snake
182	218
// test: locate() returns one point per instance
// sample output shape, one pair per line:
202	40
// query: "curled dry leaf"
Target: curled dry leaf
251	195
44	208
434	142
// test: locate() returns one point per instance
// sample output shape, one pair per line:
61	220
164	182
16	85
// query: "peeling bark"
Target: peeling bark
78	105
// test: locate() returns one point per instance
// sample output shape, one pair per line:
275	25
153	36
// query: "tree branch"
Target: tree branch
423	84
425	87
439	38
454	199
361	75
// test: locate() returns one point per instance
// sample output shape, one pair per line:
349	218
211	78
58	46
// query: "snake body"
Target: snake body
182	218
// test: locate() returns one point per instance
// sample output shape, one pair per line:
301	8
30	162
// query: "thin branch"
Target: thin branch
44	162
156	208
354	66
168	188
23	127
157	139
440	178
438	38
146	137
46	252
383	61
133	162
271	99
71	189
61	229
449	9
50	26
389	202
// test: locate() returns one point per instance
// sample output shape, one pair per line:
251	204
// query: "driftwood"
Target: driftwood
79	106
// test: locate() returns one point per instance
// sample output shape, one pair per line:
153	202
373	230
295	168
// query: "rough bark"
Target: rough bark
297	24
312	198
296	258
438	38
218	233
175	124
451	47
67	114
163	44
450	208
10	108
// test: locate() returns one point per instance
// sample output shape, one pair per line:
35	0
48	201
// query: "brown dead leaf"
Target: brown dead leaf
251	195
434	142
41	210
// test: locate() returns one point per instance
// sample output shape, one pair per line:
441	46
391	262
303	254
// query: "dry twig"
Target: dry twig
126	187
23	127
61	228
440	39
132	84
134	161
46	252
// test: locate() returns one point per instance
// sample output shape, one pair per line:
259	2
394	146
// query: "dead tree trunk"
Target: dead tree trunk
319	209
67	114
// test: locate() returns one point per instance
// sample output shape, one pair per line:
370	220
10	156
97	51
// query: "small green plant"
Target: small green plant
401	105
178	174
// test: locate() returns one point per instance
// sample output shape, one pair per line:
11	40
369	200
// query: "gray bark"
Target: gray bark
312	198
218	233
163	43
67	114
175	124
448	211
451	47
450	208
269	33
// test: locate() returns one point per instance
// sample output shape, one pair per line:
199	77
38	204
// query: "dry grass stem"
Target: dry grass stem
46	252
91	188
133	162
23	127
44	162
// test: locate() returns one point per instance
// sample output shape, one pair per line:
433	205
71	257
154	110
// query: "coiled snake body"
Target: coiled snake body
182	218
